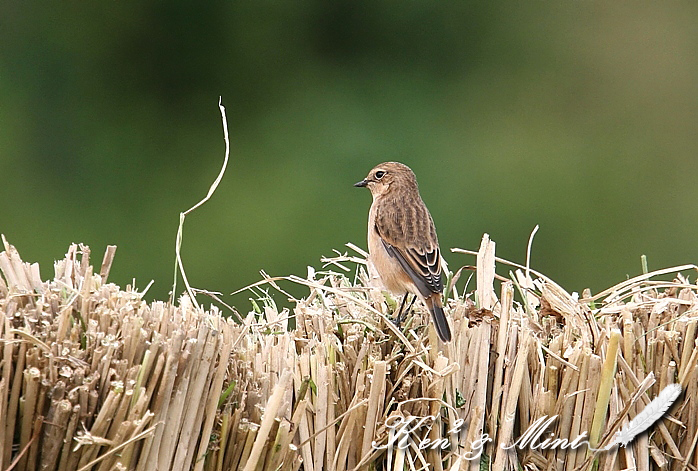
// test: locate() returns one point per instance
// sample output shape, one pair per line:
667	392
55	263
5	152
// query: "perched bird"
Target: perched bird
402	241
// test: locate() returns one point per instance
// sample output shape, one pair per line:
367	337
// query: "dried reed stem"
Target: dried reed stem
94	378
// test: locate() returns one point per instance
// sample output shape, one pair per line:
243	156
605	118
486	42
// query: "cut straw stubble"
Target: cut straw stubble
158	372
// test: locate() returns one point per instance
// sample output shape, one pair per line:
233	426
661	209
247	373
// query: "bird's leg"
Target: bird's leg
398	319
402	313
414	298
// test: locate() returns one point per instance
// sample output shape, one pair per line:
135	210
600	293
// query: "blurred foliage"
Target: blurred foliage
578	116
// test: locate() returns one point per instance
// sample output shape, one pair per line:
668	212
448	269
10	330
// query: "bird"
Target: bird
402	242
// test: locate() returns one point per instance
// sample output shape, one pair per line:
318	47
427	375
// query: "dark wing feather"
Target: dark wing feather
408	235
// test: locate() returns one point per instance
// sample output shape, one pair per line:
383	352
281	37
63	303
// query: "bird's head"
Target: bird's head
388	177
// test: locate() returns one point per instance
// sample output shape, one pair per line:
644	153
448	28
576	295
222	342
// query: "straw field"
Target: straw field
92	377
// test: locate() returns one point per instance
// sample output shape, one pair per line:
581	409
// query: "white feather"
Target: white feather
648	416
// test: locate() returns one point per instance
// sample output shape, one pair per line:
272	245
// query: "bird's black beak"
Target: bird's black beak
361	184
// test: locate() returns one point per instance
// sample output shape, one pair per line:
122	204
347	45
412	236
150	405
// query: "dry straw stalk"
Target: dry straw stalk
92	377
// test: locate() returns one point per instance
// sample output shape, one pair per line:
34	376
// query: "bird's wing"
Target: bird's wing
408	235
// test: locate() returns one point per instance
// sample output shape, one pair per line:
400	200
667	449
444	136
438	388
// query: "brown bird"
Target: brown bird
402	240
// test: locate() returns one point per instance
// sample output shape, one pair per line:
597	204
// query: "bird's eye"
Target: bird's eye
380	174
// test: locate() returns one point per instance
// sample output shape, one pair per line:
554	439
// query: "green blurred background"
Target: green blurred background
580	116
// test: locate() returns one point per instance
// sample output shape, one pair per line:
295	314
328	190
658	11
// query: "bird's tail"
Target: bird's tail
439	316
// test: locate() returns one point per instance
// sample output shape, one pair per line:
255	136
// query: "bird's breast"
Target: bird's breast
388	270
